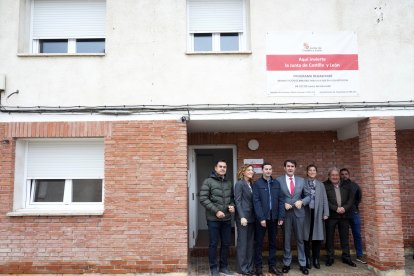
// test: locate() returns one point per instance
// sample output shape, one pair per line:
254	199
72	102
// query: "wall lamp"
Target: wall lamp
5	141
253	144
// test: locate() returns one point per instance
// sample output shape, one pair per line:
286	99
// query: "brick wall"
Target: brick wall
380	176
323	149
405	145
320	148
6	187
144	227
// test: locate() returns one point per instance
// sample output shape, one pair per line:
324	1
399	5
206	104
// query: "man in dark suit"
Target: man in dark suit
269	210
294	199
340	201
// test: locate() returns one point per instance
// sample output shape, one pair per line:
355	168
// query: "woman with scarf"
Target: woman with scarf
316	212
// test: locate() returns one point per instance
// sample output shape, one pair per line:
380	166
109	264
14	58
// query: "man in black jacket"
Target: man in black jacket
355	218
340	201
217	196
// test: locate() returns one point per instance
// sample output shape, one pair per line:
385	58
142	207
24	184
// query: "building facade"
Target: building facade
112	113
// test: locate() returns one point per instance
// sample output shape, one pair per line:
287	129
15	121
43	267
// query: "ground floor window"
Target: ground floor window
59	174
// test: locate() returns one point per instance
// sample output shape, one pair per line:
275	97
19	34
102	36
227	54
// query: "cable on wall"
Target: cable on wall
214	108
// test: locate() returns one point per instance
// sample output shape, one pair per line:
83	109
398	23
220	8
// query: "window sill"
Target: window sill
63	55
37	212
220	53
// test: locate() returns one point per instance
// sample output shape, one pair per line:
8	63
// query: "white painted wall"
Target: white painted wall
146	60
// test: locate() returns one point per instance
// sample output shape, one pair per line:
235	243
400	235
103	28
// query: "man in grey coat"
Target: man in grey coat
292	188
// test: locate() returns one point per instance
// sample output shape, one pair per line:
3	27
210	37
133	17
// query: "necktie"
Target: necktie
292	186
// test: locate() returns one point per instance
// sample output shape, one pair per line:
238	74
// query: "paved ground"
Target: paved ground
199	266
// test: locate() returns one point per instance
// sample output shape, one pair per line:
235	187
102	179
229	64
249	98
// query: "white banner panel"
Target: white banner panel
312	64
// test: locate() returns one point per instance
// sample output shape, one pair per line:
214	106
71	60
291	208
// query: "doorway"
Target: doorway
201	163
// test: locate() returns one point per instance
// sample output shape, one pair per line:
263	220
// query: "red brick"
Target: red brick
384	240
132	169
144	165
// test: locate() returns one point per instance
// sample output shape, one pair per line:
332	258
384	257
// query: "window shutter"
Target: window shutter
215	16
65	159
68	19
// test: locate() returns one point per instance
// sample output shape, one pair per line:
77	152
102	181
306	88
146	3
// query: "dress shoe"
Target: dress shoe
329	262
225	271
361	259
316	263
214	272
286	268
259	273
304	270
308	263
275	271
349	262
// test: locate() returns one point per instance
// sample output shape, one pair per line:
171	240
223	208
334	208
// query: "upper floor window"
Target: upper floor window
217	25
63	26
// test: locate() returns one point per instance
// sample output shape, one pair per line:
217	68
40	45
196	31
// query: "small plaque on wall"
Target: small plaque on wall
256	163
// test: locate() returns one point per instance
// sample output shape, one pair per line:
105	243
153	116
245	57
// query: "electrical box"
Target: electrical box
2	82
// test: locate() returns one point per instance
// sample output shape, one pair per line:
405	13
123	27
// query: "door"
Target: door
202	161
192	197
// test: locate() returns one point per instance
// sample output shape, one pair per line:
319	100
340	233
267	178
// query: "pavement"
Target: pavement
199	266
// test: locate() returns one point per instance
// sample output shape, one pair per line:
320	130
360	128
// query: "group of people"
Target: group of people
304	208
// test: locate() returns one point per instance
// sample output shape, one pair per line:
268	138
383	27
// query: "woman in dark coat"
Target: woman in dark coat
316	212
245	220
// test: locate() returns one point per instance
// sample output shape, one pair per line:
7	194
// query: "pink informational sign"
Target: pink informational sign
312	64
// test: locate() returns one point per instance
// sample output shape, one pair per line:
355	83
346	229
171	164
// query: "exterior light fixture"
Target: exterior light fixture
253	144
5	142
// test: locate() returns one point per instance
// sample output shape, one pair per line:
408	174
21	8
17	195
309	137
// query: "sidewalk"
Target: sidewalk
199	266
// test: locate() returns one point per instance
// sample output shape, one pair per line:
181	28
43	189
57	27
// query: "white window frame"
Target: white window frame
67	201
23	202
71	46
243	45
216	45
35	42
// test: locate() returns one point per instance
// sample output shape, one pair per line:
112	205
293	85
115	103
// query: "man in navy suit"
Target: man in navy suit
270	212
295	198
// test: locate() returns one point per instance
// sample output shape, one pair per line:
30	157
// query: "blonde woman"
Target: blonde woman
245	220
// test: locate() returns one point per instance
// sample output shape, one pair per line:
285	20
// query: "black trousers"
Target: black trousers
343	228
316	244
